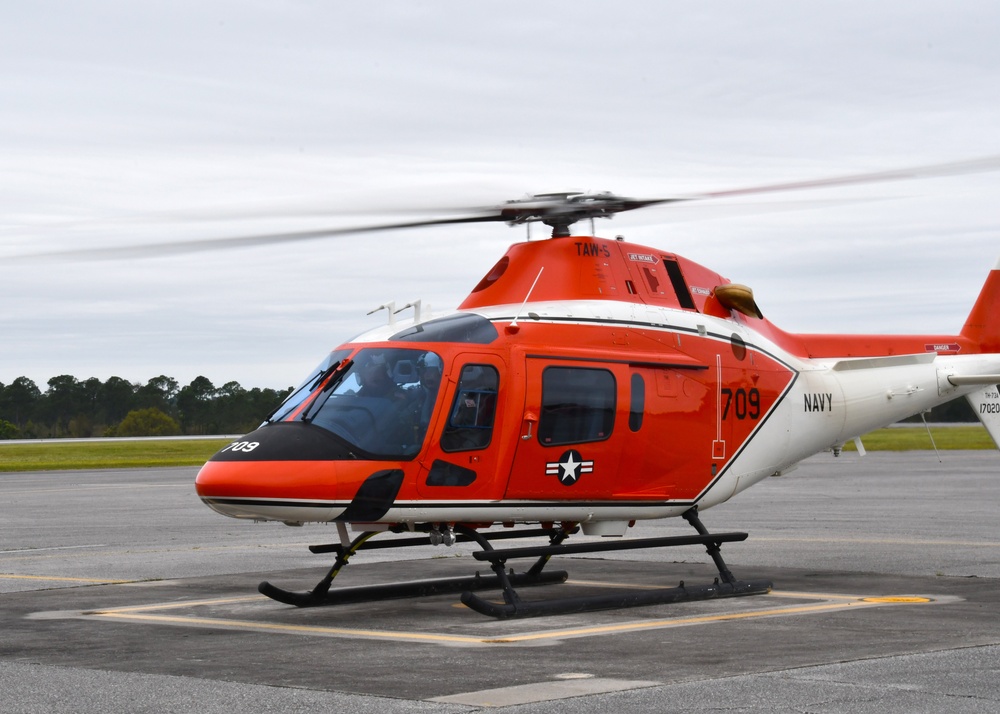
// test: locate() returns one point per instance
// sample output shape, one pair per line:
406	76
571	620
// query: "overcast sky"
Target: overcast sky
128	123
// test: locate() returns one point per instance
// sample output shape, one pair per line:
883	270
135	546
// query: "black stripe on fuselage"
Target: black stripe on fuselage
440	505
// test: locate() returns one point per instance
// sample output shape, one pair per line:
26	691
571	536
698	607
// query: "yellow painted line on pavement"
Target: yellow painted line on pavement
177	605
815	596
314	630
829	603
686	621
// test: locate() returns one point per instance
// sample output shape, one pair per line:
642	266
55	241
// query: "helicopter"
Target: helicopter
585	384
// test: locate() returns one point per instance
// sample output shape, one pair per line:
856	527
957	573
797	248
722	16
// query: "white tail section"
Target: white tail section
986	404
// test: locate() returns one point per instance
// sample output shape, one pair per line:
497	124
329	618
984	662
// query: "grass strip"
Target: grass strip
53	455
915	438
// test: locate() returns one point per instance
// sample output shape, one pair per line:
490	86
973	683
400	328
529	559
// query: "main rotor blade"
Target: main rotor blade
150	250
557	210
954	168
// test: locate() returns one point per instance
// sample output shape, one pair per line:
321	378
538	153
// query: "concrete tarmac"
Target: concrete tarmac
121	592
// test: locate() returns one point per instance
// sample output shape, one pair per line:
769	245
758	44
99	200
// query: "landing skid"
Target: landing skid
416	588
726	585
322	595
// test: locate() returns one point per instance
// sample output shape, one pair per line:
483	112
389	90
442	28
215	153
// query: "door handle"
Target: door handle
530	419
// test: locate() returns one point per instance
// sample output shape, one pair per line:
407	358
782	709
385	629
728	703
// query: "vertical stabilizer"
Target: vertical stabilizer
986	404
983	324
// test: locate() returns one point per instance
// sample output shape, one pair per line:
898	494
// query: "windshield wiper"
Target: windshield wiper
332	377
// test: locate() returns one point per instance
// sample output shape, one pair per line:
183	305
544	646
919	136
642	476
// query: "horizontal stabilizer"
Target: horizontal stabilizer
983	379
877	362
986	404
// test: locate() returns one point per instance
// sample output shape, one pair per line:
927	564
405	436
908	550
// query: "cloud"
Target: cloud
130	123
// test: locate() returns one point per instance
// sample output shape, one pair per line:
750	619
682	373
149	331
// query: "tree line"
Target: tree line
70	407
161	407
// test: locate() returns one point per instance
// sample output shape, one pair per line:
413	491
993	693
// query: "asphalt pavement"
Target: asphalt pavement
120	591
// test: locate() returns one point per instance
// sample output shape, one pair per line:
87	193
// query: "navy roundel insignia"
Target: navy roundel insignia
569	467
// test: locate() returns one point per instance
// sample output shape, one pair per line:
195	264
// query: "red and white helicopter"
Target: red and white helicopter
584	384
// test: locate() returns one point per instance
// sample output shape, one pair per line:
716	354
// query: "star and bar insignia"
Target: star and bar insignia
569	467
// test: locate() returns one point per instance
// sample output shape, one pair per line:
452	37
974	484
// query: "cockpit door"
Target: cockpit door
461	461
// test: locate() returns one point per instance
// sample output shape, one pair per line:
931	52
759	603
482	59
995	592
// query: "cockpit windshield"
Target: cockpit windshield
380	401
301	392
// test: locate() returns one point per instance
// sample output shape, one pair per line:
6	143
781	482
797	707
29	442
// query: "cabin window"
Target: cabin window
470	419
637	403
578	405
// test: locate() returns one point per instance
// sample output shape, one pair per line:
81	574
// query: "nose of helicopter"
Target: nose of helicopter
295	473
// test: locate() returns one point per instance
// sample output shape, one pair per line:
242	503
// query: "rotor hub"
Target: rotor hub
559	211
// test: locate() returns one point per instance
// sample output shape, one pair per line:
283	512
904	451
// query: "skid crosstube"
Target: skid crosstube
726	585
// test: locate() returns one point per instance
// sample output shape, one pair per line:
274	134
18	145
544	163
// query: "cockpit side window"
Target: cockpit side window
470	419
